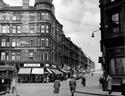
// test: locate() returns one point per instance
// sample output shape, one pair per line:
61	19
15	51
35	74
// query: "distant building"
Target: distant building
32	40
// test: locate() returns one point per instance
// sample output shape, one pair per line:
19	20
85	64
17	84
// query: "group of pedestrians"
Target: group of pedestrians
72	84
106	82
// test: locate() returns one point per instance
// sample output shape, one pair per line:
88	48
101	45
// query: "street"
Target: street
46	89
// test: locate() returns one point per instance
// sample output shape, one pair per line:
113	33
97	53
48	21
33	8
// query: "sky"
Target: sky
79	19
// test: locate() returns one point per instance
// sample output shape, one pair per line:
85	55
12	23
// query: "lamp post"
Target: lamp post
94	32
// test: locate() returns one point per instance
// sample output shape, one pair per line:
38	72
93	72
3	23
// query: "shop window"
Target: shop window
117	66
2	55
3	43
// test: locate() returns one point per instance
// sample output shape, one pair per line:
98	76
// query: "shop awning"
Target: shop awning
49	70
24	71
56	71
37	71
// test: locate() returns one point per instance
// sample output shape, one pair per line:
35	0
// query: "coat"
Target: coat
56	86
72	83
109	81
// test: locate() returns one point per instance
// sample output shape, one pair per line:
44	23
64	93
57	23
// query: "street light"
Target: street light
94	32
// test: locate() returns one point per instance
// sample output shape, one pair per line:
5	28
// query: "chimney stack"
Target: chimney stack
25	4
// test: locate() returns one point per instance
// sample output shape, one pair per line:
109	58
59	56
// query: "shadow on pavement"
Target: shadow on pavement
97	94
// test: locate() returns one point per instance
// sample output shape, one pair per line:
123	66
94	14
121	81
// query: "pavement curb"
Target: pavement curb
99	94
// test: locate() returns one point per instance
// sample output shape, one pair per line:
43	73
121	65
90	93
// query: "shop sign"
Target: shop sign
32	65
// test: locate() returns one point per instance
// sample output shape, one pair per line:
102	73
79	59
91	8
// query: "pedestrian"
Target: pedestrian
13	87
56	86
72	84
123	87
103	82
83	80
109	84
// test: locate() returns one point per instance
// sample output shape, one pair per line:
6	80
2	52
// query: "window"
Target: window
38	42
32	27
7	42
18	28
14	17
117	66
42	55
7	55
32	16
3	42
13	42
42	41
46	56
115	22
18	42
4	29
112	0
47	42
31	55
17	56
2	55
47	28
13	56
14	29
38	28
42	28
31	42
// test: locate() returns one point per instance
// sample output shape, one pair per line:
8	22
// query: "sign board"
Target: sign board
31	65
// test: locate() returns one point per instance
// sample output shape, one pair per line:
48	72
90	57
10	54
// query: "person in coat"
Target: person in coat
83	80
56	86
72	84
109	82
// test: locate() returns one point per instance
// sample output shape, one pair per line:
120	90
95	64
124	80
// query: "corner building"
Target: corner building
113	39
31	40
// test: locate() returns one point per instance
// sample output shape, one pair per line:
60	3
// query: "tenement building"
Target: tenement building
32	40
113	39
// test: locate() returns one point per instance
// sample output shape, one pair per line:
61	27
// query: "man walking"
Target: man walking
72	84
56	86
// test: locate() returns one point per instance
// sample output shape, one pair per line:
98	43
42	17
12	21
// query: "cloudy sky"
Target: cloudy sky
79	19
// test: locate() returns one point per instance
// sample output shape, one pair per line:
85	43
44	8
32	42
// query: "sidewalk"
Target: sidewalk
93	87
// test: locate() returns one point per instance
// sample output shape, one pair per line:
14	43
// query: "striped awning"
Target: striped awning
24	71
37	71
56	71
